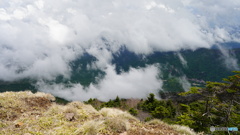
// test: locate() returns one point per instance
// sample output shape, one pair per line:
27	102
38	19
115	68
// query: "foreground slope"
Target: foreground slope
27	113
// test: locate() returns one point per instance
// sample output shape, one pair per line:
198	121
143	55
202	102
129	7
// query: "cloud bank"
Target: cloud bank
38	39
137	83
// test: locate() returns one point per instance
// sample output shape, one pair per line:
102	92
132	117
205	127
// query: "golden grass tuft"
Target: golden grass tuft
91	128
156	122
183	130
117	125
113	112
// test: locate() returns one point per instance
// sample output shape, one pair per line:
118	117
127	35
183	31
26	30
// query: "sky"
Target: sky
38	39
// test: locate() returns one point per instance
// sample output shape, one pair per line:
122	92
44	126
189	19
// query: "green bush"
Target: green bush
161	112
133	111
185	119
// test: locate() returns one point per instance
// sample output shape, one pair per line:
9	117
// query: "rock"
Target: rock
124	133
18	125
69	116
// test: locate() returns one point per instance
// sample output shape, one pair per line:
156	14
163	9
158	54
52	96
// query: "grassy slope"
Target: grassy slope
27	113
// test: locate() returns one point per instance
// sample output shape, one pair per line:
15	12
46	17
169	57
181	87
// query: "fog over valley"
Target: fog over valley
78	49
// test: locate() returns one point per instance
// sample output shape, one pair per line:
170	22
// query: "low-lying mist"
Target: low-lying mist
137	83
40	39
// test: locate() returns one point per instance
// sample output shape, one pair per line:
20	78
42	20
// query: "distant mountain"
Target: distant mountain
195	67
233	45
229	45
200	66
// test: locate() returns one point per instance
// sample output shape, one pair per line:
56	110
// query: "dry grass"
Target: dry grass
183	130
92	127
117	125
27	113
113	112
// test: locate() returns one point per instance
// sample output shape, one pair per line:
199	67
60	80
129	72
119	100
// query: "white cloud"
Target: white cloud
185	83
57	31
137	83
182	60
153	4
229	58
3	15
103	55
33	33
39	4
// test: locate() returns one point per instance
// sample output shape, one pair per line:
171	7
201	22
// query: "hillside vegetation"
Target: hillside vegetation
25	113
216	104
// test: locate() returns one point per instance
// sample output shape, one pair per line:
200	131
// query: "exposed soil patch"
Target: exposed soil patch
40	102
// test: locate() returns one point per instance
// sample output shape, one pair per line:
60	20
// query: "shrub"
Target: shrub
161	112
133	111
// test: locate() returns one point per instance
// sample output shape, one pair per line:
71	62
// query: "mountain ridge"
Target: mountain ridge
200	65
